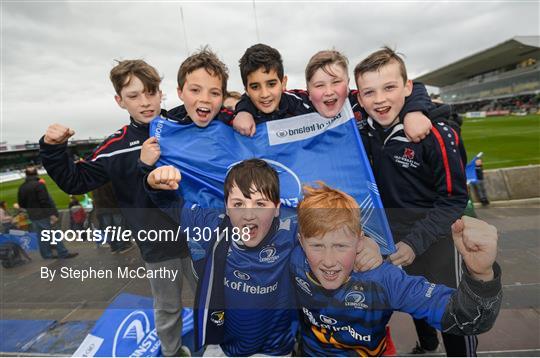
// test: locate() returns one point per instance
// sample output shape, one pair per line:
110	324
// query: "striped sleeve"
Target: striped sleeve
450	189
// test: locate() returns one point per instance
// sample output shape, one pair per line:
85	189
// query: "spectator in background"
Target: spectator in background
231	99
6	220
469	209
478	185
77	214
34	197
20	219
108	214
445	113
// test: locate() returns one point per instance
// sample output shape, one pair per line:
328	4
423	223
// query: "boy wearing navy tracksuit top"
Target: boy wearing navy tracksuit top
119	160
344	313
422	185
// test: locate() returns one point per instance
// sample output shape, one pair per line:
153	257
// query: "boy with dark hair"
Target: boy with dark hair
137	90
251	312
422	185
345	313
262	59
261	68
244	292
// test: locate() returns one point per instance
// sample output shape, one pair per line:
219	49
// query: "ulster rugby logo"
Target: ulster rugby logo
408	153
406	160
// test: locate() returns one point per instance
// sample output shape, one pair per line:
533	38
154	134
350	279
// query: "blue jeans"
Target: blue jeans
110	219
45	246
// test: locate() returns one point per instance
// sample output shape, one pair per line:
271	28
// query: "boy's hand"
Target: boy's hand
164	178
417	126
150	151
476	241
403	256
244	124
58	134
368	256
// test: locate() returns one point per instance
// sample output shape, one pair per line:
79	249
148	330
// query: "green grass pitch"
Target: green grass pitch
506	141
9	190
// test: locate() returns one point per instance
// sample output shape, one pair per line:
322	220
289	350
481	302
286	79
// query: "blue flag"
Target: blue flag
470	169
27	240
303	149
126	329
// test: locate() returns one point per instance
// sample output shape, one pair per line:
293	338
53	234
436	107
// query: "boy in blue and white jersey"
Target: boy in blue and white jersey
256	285
244	294
345	312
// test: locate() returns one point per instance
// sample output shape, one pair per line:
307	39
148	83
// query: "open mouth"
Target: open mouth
147	113
330	102
253	230
266	103
330	275
383	110
203	112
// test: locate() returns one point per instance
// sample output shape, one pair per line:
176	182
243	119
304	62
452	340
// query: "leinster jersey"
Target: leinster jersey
256	314
351	320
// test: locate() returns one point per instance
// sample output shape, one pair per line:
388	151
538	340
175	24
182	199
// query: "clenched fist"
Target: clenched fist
417	126
164	178
368	255
244	124
476	241
58	134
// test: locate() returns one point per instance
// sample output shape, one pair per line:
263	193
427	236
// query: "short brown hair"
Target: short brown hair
30	170
323	59
253	173
378	59
325	209
122	74
233	94
208	60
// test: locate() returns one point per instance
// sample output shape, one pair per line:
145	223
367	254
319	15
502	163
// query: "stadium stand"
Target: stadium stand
501	80
15	158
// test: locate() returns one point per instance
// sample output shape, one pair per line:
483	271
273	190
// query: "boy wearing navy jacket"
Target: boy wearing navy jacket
202	82
422	185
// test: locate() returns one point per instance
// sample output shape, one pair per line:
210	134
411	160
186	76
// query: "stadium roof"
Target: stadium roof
510	52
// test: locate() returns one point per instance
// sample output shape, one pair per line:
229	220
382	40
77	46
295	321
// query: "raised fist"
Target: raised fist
58	134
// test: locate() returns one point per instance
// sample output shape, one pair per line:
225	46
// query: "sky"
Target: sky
56	56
